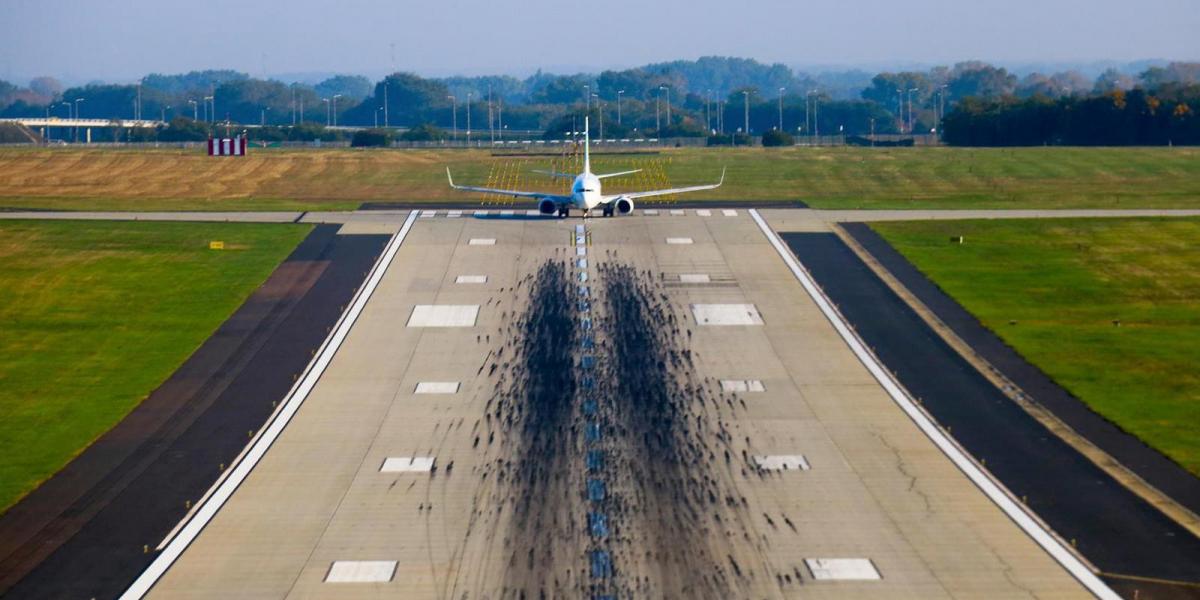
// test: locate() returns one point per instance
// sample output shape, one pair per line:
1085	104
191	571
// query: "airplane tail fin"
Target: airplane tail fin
587	142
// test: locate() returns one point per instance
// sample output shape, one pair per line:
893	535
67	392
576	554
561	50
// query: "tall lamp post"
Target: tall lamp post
746	106
619	92
910	114
469	118
162	113
195	109
326	101
335	97
263	116
77	101
453	116
781	109
663	87
600	110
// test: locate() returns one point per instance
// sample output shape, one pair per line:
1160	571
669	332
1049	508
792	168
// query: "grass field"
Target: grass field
170	179
1064	282
95	315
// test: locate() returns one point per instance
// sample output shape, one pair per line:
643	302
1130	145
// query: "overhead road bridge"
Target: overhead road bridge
43	124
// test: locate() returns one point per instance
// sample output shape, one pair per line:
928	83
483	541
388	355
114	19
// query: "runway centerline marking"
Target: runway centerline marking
991	488
267	436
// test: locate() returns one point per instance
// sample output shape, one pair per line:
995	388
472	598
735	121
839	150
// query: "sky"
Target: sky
122	40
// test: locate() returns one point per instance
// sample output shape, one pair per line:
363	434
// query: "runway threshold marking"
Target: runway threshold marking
990	487
267	436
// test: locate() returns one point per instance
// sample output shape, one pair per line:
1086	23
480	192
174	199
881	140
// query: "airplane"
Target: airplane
585	191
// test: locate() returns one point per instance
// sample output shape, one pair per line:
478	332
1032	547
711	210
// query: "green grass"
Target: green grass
310	179
95	315
1064	282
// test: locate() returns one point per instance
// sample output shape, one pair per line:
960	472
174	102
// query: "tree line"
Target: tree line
711	95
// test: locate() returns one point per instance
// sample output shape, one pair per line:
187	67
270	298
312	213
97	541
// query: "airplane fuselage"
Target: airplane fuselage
585	192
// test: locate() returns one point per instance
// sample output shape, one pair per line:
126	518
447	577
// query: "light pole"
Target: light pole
587	97
600	110
807	124
781	110
663	87
263	116
77	101
385	93
376	115
707	112
941	110
816	116
910	114
657	118
162	116
195	108
468	118
326	101
453	116
292	106
206	101
619	92
746	105
900	107
335	97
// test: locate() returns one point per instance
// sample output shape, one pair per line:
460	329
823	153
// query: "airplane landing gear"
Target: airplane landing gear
564	211
608	210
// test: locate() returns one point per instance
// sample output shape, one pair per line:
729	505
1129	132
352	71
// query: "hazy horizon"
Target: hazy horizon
139	37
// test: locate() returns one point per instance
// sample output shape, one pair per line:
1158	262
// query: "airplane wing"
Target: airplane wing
513	193
681	190
618	174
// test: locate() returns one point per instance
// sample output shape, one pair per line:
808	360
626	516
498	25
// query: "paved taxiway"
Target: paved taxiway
877	488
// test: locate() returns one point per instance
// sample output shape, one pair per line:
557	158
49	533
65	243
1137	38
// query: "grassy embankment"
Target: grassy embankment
95	315
1064	283
170	179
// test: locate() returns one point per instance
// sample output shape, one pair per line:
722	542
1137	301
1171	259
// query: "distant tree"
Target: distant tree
562	90
354	87
48	88
411	100
975	79
183	129
889	89
1112	80
776	137
371	138
424	132
1176	72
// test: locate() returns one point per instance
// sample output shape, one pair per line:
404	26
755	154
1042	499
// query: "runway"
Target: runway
648	406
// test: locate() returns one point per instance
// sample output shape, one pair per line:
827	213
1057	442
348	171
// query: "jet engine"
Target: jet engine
547	206
623	205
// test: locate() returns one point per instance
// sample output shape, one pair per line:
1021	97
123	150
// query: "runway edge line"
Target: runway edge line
258	448
992	489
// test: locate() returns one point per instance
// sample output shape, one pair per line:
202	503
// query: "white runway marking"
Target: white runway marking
703	212
471	279
361	571
443	315
246	462
454	214
482	213
742	385
676	212
694	278
783	462
650	212
482	242
729	212
986	484
436	387
407	464
726	314
428	214
679	241
842	569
